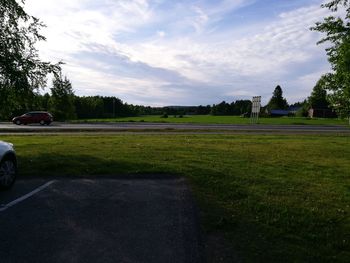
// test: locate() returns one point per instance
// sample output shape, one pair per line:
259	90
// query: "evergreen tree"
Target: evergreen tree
277	102
61	103
318	98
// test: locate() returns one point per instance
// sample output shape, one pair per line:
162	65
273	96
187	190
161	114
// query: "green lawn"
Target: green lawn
275	198
223	120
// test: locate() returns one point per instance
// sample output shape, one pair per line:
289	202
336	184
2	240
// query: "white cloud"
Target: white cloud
267	50
161	33
163	63
72	24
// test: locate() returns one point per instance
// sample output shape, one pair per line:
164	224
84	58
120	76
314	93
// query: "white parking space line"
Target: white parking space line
26	196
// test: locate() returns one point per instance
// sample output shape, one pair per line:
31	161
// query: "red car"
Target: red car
41	117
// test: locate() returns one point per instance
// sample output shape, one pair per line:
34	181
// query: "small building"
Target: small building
291	111
279	113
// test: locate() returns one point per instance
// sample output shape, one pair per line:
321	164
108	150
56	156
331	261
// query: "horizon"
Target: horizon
158	53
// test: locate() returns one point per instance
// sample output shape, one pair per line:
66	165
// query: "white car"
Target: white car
8	165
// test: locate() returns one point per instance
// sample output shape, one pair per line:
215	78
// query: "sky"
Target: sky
184	52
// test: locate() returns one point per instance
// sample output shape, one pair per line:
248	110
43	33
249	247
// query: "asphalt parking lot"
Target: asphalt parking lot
99	220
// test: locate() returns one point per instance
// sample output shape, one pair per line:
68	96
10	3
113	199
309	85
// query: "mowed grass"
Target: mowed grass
275	198
223	120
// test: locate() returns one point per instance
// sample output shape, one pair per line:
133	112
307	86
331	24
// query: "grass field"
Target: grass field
223	120
275	198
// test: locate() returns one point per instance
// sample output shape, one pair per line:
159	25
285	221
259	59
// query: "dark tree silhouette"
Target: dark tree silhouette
277	102
21	70
61	103
337	34
318	98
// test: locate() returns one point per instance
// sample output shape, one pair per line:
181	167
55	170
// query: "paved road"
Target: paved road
104	220
119	127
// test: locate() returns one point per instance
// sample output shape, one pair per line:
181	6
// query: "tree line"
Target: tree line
23	74
65	105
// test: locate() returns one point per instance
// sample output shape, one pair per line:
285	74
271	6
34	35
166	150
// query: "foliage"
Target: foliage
222	108
21	70
104	107
41	102
318	98
337	31
203	110
61	103
303	108
89	107
277	102
237	108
